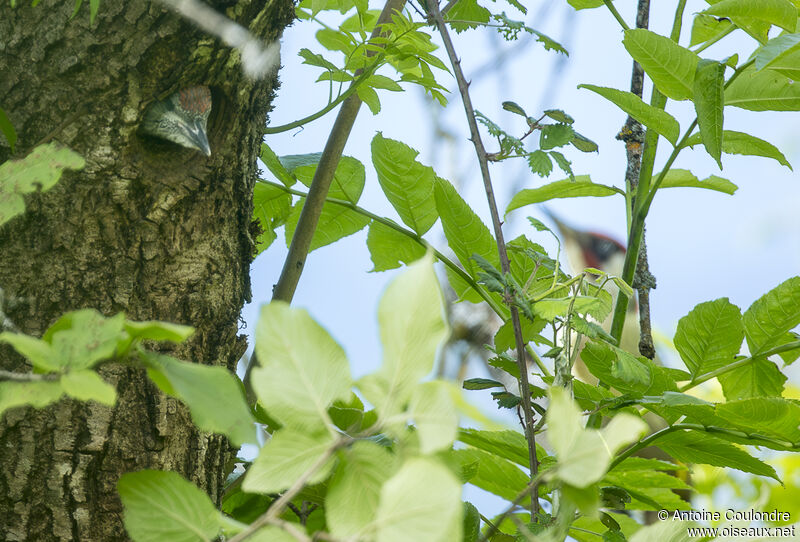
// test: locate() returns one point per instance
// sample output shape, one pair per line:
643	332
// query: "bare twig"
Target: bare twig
323	176
525	392
632	134
27	377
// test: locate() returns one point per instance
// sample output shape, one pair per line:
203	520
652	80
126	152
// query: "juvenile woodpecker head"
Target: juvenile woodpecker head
181	118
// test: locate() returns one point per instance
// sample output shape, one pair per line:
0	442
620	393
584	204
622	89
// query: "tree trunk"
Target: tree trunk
147	227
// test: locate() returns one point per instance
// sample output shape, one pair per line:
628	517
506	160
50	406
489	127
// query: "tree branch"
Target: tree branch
323	176
480	151
28	377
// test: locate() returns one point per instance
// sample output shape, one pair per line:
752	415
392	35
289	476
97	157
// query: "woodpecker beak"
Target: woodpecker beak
197	135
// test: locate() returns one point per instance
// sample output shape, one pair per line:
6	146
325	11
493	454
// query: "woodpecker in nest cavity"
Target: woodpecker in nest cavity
181	118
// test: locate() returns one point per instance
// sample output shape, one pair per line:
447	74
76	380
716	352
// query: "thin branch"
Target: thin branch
616	15
323	176
525	392
273	513
498	520
27	377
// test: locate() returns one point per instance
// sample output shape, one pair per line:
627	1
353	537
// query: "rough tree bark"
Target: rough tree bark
148	228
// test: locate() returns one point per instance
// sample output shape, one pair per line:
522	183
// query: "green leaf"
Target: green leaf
407	183
40	170
303	370
584	455
369	97
583	143
94	5
670	66
276	166
710	336
212	393
555	135
412	328
35	394
540	163
773	416
674	531
287	456
559	116
580	187
271	207
510	445
335	222
7	129
469	14
354	490
481	384
745	144
472	523
314	59
422	501
563	164
765	90
85	337
514	108
389	248
465	232
705	27
86	385
656	119
493	473
756	379
435	415
698	447
585	4
778	12
772	315
776	50
383	82
41	355
334	40
158	331
165	506
709	88
683	178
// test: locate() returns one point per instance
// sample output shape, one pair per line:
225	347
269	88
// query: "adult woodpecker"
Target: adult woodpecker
590	249
181	118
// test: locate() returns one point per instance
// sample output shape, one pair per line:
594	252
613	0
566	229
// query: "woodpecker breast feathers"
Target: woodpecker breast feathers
182	118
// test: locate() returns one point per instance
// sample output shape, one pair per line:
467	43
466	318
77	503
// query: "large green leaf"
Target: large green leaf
654	118
683	178
212	393
165	506
492	473
772	315
584	455
354	490
508	444
745	144
778	12
41	355
709	88
773	416
412	328
435	415
335	222
389	248
566	188
35	394
765	90
86	385
407	183
777	50
303	370
83	338
710	336
271	207
465	232
276	166
756	379
705	27
40	170
421	502
288	455
670	66
348	179
698	447
467	14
